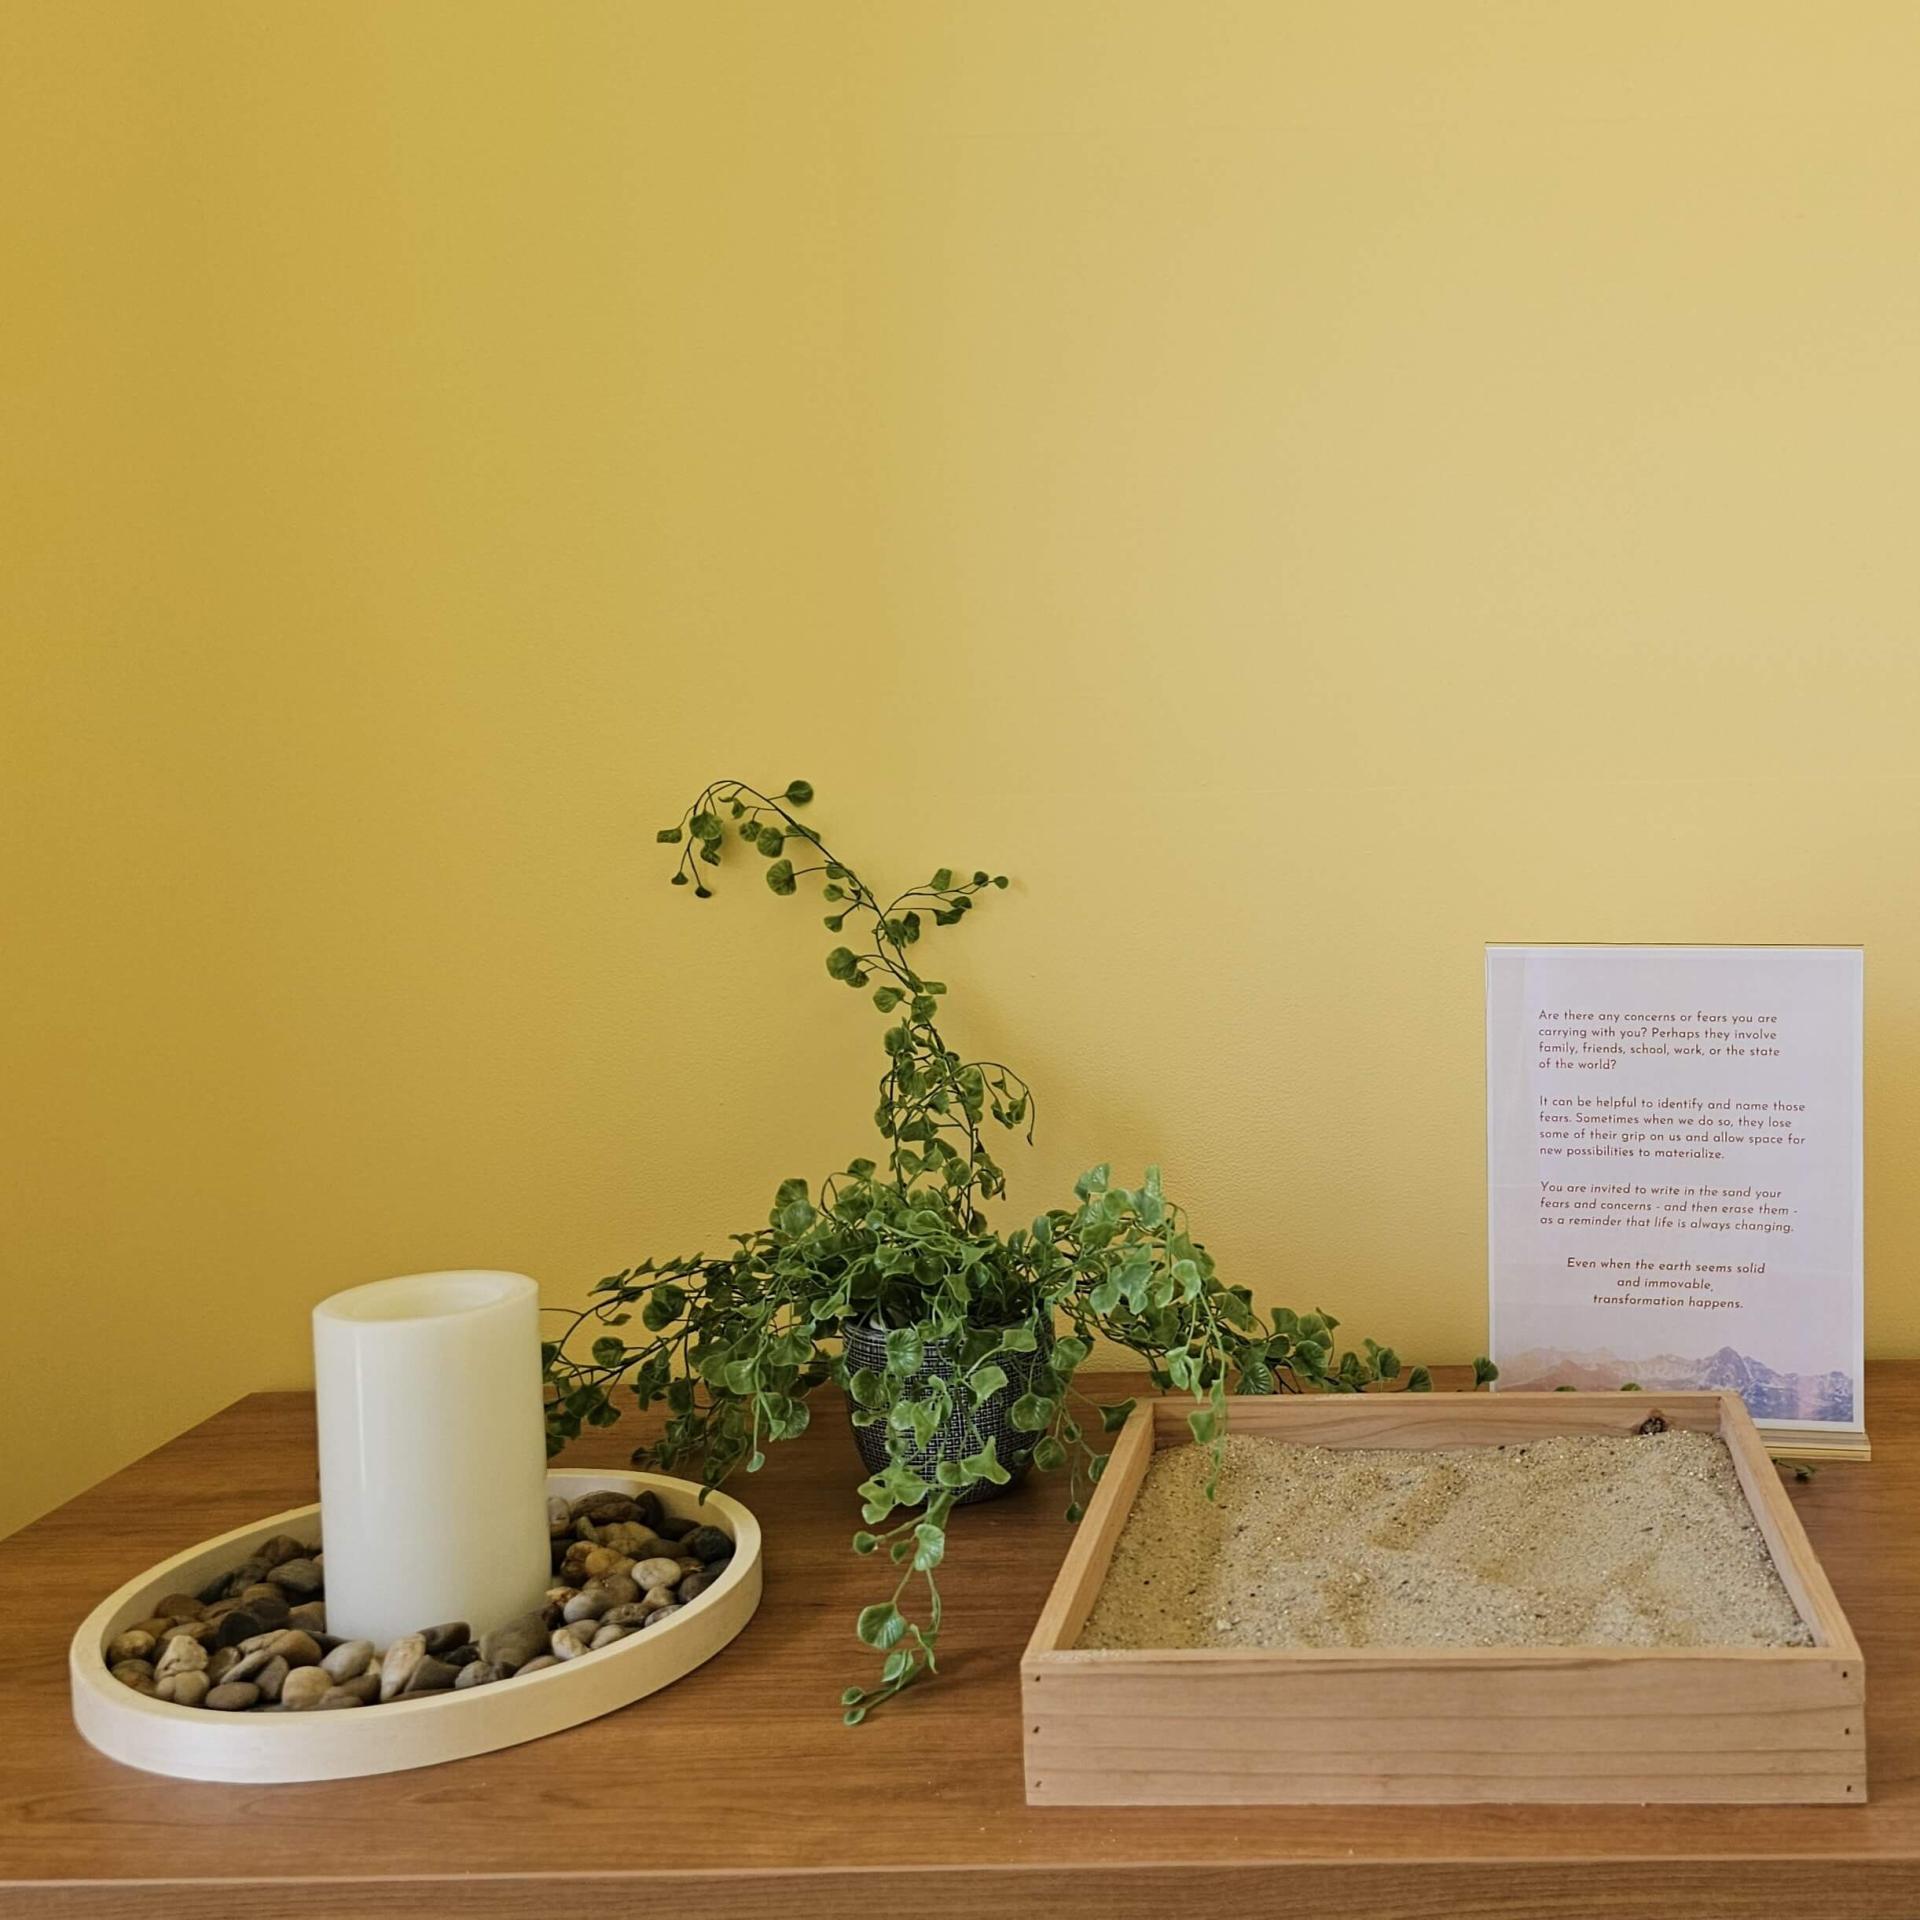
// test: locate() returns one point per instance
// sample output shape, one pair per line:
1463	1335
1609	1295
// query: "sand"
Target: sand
1644	1541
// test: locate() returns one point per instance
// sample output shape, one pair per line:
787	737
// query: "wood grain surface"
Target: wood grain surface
738	1792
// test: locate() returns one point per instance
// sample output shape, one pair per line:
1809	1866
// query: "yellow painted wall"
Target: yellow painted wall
1306	485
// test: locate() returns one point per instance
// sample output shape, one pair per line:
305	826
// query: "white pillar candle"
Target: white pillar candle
432	1453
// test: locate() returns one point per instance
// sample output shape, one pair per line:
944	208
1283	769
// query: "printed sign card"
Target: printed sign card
1674	1176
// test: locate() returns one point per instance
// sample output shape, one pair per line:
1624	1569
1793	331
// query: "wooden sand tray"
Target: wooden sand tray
1443	1724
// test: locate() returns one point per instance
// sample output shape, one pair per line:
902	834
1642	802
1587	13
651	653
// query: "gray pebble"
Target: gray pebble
272	1677
299	1577
587	1605
630	1616
621	1589
349	1659
235	1696
708	1544
510	1647
569	1643
365	1687
432	1676
221	1662
445	1637
559	1517
693	1585
539	1661
479	1673
656	1573
180	1655
605	1635
663	1613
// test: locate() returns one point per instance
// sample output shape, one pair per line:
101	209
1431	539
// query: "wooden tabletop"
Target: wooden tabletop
738	1792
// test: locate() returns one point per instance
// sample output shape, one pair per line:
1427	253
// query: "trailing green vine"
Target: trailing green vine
734	1345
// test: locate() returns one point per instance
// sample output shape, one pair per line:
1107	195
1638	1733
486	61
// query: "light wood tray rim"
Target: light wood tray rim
192	1742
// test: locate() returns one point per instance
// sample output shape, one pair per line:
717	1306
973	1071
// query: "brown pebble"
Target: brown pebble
606	1504
656	1573
478	1673
179	1606
134	1673
537	1663
621	1589
297	1649
309	1617
305	1687
396	1667
184	1689
133	1645
365	1687
272	1677
233	1696
341	1697
221	1662
239	1625
268	1605
445	1637
607	1633
280	1549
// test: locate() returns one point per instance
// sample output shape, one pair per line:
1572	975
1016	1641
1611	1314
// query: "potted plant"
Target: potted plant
956	1342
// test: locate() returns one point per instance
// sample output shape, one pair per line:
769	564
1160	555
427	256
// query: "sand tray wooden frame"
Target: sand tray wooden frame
1443	1724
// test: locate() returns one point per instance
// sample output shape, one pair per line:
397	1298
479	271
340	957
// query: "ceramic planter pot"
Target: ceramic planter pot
964	1432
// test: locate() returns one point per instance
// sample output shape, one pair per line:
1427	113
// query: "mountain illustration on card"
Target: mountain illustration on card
1769	1394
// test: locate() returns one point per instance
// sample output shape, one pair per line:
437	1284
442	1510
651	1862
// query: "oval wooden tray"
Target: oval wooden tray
193	1743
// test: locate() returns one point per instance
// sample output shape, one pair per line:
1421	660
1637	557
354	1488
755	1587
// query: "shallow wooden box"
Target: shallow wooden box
1442	1724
